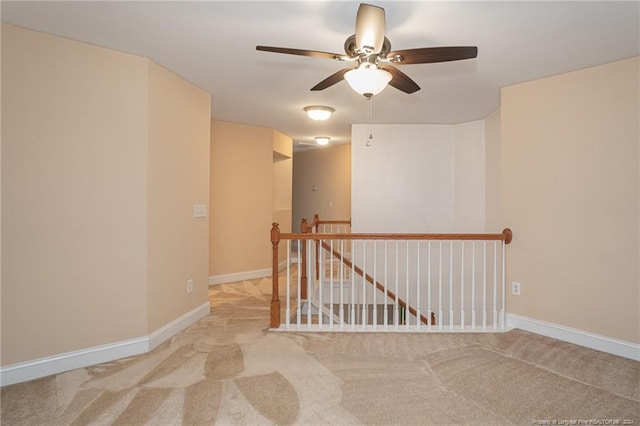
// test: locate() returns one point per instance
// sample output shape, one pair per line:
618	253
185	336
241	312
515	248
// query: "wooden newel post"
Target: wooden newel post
303	261
275	300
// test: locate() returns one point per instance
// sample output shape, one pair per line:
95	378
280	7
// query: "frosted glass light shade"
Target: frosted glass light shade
319	112
322	140
368	80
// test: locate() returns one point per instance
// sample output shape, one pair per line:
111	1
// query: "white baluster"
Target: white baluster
406	309
396	312
310	279
300	242
440	288
331	299
418	322
495	285
364	283
429	285
502	310
287	318
386	280
375	284
321	285
451	285
484	285
353	287
462	325
473	285
341	283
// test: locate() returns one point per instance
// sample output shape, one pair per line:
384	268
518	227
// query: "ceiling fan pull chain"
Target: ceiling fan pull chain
369	120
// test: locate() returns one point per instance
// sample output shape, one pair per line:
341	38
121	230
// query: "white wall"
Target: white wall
418	178
469	177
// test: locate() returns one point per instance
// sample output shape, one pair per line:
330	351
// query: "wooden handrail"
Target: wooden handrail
334	222
316	221
505	236
378	285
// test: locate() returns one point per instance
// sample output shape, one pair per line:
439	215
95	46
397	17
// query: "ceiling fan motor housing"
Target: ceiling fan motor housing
351	49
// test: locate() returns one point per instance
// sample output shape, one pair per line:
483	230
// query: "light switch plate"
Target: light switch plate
199	210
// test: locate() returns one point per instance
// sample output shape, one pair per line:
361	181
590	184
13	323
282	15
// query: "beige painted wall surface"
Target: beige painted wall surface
74	226
282	182
282	144
178	179
329	170
570	165
282	174
241	198
493	170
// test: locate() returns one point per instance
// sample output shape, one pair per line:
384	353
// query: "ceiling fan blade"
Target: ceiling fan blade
331	80
400	80
300	52
370	28
428	55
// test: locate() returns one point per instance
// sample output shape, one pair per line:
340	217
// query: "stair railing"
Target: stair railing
469	288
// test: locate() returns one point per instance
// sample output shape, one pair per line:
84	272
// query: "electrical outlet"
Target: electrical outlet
190	286
515	288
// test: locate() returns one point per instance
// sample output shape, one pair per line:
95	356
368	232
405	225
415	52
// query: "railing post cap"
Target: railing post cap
508	235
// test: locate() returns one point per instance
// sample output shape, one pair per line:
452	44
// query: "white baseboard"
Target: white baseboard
243	276
163	334
25	371
578	337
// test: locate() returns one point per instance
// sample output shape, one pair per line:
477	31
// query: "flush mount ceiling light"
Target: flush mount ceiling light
318	112
322	140
368	79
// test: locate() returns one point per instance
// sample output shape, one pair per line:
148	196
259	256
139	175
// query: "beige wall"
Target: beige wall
282	181
245	197
178	178
329	170
80	146
570	193
74	141
493	177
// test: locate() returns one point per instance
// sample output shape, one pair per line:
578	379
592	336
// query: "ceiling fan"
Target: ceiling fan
371	51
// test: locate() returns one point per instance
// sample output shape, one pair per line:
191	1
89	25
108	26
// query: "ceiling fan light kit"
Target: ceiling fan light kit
367	79
319	112
322	140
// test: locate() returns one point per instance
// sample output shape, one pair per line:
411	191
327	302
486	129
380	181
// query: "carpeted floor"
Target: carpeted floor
228	369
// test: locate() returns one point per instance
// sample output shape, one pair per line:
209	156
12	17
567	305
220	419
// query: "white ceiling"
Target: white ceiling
212	44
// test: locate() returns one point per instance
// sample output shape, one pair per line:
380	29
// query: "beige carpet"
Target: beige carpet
229	370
